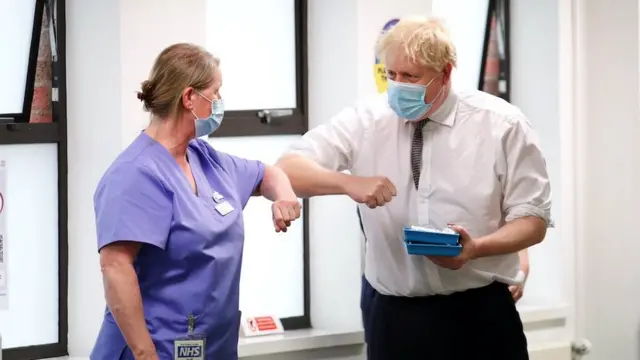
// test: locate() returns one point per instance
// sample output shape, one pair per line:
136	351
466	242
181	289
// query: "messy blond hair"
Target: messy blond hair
424	40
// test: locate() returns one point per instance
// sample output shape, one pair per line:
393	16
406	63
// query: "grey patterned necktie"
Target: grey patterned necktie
416	152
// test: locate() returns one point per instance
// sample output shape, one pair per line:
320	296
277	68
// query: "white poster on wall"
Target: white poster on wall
3	237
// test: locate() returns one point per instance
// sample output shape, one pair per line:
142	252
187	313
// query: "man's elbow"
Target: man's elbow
539	227
288	161
540	237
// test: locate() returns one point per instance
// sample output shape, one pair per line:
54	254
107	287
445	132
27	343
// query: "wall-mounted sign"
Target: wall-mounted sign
378	68
261	325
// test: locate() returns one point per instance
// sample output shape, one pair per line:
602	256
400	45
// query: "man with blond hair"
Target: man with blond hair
426	154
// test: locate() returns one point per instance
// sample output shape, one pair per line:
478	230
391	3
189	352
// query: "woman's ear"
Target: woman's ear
187	98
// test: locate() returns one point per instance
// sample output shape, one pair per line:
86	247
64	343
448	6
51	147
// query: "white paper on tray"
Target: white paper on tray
446	230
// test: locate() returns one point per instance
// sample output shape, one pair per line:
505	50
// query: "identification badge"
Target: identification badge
191	349
224	208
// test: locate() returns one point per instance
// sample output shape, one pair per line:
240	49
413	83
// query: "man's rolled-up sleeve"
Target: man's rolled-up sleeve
334	145
526	186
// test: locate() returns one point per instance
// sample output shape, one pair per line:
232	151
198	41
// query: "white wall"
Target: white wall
94	113
608	116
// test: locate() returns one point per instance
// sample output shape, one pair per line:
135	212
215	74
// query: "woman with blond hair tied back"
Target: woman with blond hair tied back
169	222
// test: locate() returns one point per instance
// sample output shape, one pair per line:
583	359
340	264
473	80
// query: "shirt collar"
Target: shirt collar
446	114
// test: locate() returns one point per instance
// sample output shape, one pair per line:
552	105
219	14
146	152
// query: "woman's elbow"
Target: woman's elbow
271	176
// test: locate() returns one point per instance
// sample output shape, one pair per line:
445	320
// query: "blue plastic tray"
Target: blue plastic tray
433	250
429	237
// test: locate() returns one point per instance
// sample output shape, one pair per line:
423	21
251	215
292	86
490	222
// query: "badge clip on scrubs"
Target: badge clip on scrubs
431	242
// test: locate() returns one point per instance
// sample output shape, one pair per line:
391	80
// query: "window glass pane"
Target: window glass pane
31	245
16	25
255	40
272	266
547	274
467	31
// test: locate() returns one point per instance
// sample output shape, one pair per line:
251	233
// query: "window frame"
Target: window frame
16	129
501	9
248	123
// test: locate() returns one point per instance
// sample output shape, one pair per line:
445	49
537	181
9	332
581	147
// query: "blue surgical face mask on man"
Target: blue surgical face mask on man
408	100
206	126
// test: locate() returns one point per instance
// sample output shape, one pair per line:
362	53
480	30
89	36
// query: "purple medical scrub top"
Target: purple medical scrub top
189	263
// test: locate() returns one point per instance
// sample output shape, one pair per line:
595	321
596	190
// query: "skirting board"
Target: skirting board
559	351
551	352
554	351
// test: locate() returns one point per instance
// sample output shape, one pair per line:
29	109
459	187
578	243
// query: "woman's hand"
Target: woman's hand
517	291
148	356
284	212
276	187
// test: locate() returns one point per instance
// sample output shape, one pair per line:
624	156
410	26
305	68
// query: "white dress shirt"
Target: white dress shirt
481	167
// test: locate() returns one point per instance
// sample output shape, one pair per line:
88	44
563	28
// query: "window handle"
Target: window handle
12	126
266	116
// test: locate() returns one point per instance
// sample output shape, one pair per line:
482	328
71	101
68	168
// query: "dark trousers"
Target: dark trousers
473	324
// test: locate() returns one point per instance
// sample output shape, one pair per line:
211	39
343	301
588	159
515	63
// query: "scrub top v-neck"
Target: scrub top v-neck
189	266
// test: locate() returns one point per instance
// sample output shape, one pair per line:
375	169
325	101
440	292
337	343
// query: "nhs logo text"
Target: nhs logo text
189	351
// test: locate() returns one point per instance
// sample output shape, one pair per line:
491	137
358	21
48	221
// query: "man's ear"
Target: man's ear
447	72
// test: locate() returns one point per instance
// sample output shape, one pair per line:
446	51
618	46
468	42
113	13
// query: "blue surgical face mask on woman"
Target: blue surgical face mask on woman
206	126
408	100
